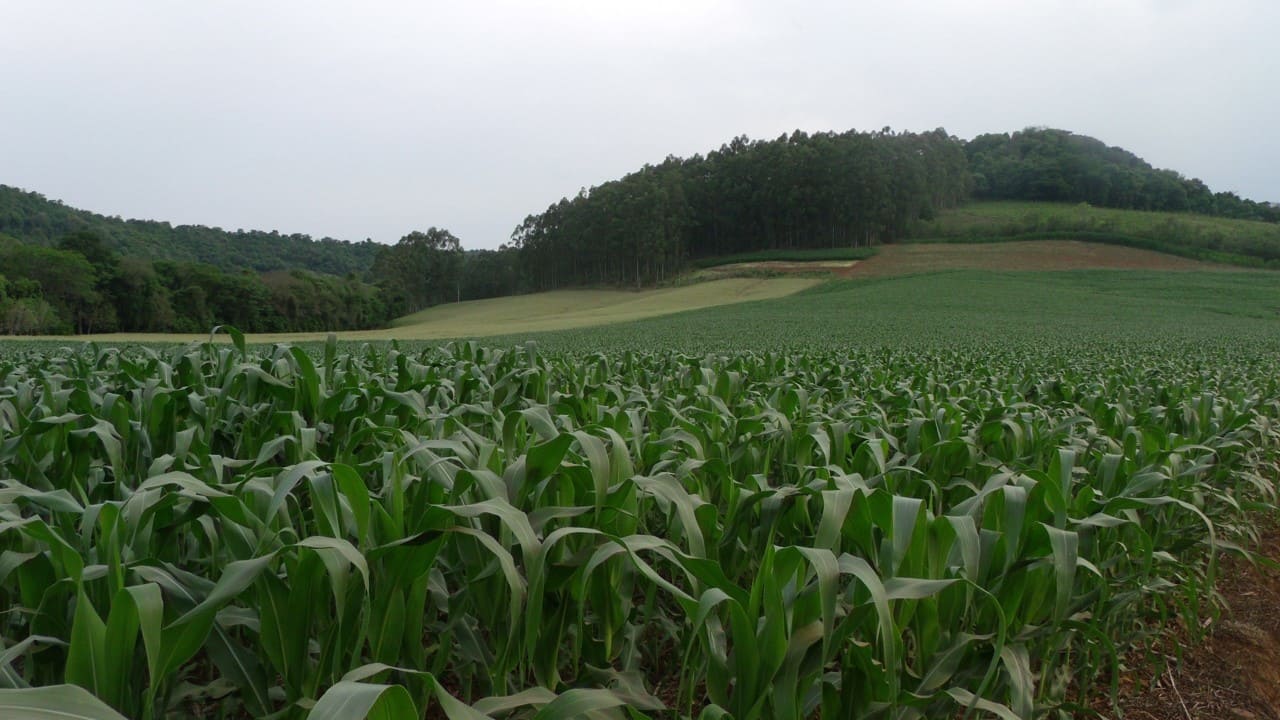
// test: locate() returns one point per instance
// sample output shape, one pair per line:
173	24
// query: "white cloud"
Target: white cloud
373	119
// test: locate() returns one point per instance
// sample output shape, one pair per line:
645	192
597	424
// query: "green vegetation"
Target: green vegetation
801	196
421	270
563	309
852	190
908	497
34	219
1041	164
972	309
1202	237
800	191
82	286
539	312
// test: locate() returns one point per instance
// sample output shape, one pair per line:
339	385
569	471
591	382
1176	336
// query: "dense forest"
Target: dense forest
68	270
798	191
83	286
64	271
32	218
1059	166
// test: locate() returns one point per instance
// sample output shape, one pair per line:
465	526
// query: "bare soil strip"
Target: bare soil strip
1235	673
911	258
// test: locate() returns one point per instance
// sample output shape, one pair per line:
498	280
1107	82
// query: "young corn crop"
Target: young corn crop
472	532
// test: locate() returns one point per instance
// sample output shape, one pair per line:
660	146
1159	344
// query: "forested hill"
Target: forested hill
32	218
799	191
1060	166
828	189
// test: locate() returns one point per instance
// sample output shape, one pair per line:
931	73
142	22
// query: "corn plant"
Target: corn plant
471	532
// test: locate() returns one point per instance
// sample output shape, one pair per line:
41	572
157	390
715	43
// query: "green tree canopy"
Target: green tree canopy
421	270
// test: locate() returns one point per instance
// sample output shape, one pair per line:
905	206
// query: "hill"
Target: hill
1044	164
33	218
831	191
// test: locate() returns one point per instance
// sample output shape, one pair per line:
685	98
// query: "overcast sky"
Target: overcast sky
372	119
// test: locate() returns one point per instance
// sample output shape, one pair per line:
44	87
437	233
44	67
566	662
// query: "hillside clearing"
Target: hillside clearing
564	309
1015	255
518	316
1249	243
767	268
1026	255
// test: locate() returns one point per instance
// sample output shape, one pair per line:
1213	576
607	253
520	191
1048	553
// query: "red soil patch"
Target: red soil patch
907	259
1022	255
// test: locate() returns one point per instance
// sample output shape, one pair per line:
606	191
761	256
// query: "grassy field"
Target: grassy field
581	308
1240	242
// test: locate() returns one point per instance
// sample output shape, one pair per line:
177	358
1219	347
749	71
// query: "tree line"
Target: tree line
83	286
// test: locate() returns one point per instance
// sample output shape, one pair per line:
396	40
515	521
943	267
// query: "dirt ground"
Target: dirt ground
912	258
1235	673
906	259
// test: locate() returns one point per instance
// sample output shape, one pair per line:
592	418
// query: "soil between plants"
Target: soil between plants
1234	674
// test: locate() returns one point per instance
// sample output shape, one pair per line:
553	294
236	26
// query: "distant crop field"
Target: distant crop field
1019	255
922	496
962	308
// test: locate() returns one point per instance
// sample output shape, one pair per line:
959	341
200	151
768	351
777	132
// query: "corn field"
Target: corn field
470	532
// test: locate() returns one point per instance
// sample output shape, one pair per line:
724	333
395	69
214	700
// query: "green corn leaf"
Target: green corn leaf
54	702
87	652
236	577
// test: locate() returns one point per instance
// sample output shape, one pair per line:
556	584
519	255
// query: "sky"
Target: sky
373	119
